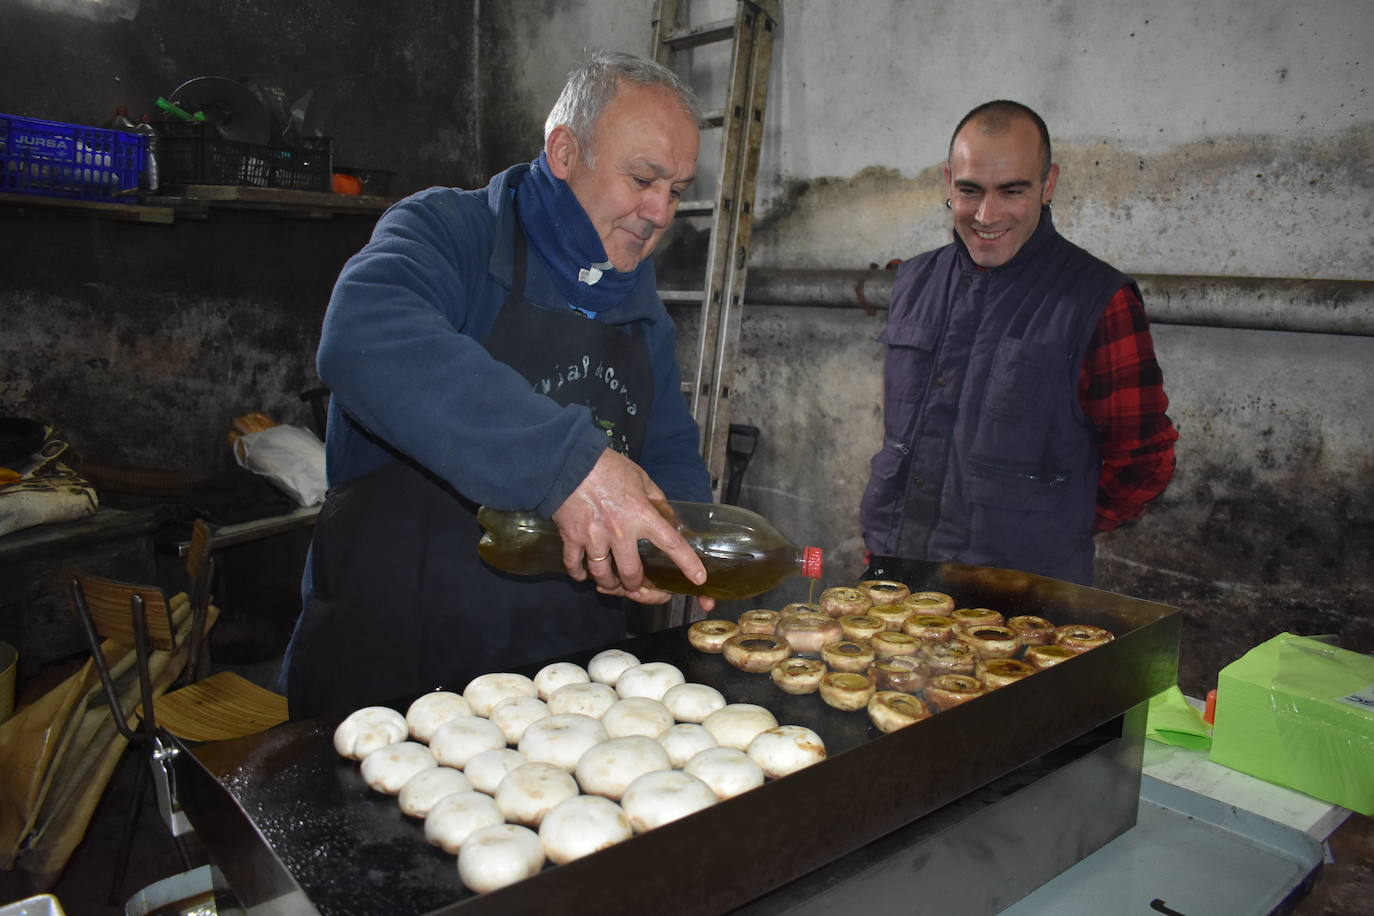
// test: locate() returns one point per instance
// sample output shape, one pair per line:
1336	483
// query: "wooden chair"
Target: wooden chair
223	705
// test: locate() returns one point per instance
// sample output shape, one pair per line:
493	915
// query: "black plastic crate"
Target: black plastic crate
194	153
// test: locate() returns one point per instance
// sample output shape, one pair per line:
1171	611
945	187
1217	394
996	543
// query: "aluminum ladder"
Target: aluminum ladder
707	380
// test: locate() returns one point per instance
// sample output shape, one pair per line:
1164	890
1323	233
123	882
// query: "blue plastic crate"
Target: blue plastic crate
68	160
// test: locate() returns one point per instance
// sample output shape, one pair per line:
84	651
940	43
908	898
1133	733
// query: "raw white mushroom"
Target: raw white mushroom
455	816
487	769
366	729
431	710
558	674
582	825
637	716
611	766
388	769
428	786
515	714
658	798
684	741
486	690
651	680
736	724
531	790
591	699
607	665
561	739
459	740
496	856
726	770
692	702
786	749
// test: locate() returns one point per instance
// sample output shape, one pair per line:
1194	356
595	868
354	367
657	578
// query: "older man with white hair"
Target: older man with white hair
504	347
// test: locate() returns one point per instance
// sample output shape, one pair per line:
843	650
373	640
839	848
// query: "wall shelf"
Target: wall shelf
197	201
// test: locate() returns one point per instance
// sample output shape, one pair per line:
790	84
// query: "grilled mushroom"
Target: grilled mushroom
755	652
709	635
846	691
890	710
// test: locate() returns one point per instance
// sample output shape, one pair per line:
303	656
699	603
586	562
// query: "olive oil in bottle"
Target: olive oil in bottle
743	553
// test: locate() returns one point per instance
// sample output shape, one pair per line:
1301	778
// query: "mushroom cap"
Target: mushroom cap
364	730
727	770
460	739
610	767
486	690
531	790
487	769
651	680
557	674
663	796
562	739
736	724
433	709
389	768
784	750
455	816
684	741
890	710
591	699
426	787
692	702
637	716
607	665
515	714
496	856
582	825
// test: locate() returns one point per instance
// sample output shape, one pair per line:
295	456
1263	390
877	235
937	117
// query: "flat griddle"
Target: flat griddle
295	829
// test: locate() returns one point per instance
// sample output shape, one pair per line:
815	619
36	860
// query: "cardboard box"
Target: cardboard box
1300	713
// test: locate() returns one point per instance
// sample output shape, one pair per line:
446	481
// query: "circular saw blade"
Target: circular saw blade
236	113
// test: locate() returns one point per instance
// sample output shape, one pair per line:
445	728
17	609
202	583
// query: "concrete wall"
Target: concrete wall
1202	139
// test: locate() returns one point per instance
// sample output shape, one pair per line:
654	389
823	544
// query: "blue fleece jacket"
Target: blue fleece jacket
401	351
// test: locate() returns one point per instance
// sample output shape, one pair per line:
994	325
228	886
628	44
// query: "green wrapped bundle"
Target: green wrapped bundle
1299	712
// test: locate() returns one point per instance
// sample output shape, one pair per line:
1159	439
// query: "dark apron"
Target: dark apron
402	604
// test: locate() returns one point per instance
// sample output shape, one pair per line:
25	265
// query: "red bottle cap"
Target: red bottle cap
813	561
1209	714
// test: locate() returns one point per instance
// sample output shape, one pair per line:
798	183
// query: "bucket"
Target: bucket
9	669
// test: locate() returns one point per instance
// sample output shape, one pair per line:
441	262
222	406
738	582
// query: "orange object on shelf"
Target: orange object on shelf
344	183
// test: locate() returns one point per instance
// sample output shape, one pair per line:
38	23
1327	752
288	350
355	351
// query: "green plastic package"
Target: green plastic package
1300	713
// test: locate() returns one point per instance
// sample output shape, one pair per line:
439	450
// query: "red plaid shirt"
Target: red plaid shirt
1122	391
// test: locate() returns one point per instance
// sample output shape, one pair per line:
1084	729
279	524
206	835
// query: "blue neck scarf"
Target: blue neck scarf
559	229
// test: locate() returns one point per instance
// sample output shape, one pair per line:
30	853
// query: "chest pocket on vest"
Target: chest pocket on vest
906	374
1024	375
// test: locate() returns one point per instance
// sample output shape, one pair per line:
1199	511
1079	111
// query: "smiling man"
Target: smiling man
1023	407
505	347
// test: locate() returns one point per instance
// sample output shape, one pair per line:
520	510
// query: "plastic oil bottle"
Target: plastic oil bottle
743	553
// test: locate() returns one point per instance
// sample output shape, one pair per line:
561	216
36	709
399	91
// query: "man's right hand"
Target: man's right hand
602	521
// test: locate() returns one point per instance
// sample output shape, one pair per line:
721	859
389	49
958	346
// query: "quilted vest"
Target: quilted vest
987	456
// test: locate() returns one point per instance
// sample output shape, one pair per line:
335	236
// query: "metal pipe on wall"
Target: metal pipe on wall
1344	307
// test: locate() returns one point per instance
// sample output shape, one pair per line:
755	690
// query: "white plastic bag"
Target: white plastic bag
289	456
